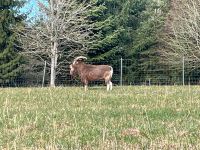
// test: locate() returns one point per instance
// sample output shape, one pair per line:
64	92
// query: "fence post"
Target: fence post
45	65
121	71
183	71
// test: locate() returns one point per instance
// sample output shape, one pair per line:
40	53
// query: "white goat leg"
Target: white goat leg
110	85
85	88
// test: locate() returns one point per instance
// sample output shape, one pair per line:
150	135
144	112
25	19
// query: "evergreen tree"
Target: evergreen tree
121	25
128	29
144	48
106	15
10	60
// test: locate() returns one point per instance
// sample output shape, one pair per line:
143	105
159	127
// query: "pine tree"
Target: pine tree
128	29
105	14
144	49
117	23
10	59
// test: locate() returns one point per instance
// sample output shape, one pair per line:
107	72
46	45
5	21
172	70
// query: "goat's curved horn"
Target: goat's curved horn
79	57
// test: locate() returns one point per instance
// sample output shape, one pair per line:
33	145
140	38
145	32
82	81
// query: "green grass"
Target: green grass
135	117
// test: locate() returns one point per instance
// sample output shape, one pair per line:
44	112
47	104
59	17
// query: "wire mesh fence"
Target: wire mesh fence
126	72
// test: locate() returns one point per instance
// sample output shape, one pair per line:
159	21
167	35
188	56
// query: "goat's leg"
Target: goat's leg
107	84
110	85
86	85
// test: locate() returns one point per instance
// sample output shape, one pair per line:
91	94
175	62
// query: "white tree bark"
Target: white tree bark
54	58
53	47
61	32
184	38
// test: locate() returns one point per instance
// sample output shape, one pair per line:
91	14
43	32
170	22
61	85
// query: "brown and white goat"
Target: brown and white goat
88	72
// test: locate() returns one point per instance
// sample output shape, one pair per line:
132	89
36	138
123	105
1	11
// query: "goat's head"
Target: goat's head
75	64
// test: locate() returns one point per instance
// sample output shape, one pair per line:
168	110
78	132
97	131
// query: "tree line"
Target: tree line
151	33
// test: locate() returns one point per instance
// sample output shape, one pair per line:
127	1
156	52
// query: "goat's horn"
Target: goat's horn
79	57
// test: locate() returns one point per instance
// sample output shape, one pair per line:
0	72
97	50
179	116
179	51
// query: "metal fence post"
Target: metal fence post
183	71
121	71
45	65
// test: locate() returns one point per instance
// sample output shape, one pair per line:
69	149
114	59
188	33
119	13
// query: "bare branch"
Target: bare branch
184	38
61	32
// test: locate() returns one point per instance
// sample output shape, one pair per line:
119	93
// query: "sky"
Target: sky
31	7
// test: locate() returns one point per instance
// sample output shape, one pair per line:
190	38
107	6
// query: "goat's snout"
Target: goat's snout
71	70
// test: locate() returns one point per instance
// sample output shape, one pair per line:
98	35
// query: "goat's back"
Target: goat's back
97	72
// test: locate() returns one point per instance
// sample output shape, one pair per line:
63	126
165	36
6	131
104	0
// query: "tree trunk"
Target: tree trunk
53	72
53	64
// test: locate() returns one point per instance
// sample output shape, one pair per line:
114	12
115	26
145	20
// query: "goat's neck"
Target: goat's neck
81	67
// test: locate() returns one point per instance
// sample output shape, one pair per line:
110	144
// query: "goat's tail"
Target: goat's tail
111	72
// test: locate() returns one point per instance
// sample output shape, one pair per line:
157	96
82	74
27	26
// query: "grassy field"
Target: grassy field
135	117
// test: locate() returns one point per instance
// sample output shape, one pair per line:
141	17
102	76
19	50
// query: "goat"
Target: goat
88	72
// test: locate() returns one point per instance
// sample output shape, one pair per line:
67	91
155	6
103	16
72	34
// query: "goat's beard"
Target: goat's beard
74	76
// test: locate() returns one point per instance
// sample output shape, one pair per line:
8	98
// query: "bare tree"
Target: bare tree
183	36
61	31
